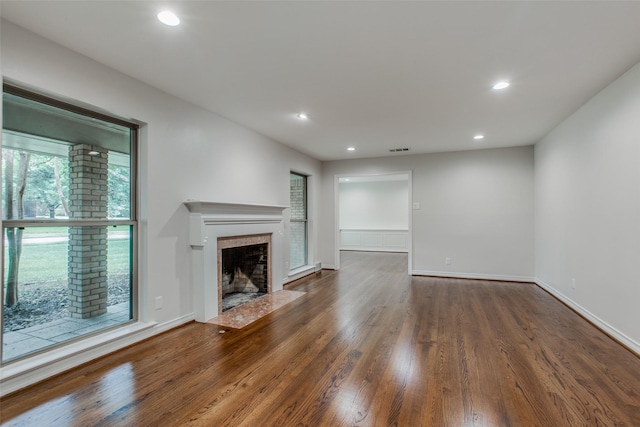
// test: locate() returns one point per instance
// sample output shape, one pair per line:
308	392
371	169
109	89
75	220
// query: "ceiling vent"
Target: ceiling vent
397	150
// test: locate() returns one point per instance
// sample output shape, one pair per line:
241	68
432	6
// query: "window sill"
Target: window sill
68	356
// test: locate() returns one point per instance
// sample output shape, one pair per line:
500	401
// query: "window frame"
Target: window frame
132	221
305	221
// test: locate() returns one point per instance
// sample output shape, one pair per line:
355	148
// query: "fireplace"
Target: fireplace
215	227
244	269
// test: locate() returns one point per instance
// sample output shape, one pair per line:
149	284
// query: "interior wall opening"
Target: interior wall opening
373	213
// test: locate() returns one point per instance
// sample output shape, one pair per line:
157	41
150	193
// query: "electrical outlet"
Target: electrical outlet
416	205
573	283
447	261
158	303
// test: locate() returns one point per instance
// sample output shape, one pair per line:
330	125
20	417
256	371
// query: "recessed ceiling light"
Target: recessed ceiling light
168	18
501	85
346	180
478	137
302	116
351	148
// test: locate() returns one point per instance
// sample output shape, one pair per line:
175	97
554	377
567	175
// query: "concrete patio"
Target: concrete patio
34	338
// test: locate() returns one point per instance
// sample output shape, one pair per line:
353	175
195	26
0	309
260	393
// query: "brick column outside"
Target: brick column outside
296	239
87	245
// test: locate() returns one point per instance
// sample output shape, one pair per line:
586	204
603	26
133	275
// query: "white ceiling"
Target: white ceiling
373	75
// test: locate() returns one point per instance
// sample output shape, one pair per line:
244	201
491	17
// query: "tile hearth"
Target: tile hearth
243	315
238	298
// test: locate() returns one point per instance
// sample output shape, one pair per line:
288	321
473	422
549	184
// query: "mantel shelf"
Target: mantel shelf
221	208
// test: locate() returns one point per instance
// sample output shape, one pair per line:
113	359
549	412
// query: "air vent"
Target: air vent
396	150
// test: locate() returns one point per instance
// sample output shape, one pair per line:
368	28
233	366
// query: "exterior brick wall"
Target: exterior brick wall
87	245
298	230
297	198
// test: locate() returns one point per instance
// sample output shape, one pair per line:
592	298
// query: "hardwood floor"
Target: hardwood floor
366	346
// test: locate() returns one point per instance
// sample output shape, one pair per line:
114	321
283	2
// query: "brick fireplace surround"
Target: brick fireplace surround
211	221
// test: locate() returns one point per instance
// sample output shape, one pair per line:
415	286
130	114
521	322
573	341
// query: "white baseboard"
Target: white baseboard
480	276
374	240
328	266
299	273
23	373
631	344
371	249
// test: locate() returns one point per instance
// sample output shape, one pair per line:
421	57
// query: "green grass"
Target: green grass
50	231
45	231
47	261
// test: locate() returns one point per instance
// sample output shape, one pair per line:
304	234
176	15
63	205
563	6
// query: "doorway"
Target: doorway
373	214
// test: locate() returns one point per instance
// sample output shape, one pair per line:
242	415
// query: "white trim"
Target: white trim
22	373
372	249
299	273
376	229
410	231
374	240
336	222
328	266
628	342
203	214
226	209
480	276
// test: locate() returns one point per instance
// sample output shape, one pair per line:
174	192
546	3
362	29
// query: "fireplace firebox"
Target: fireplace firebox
244	269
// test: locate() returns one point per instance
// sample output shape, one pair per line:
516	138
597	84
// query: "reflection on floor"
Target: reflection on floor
245	314
28	340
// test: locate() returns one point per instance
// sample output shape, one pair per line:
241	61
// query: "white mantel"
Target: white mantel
210	220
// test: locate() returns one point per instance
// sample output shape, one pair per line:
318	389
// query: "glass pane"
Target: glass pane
62	283
119	186
298	246
59	164
81	185
298	198
43	122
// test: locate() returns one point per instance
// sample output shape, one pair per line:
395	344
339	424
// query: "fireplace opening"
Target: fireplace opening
244	274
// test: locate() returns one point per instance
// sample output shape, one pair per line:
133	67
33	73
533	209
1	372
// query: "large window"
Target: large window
69	223
298	235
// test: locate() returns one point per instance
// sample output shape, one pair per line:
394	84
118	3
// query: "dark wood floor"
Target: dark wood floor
366	346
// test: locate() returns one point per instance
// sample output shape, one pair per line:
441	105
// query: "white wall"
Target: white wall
476	208
587	209
374	205
186	153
